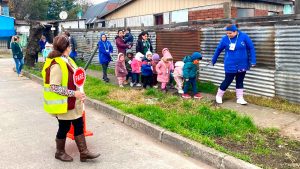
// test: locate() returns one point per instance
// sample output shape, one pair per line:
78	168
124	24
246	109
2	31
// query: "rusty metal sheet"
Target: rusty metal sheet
180	43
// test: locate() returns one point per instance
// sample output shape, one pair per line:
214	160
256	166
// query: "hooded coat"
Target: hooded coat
120	68
128	60
178	70
105	49
137	63
190	69
147	67
238	59
164	68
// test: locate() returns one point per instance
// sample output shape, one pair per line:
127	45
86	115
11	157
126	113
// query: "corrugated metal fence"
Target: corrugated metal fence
3	44
287	52
259	80
278	57
87	41
278	60
180	43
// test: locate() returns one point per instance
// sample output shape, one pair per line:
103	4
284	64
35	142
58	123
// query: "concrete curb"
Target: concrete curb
193	149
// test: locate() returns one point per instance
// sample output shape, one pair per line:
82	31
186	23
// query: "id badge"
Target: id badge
232	46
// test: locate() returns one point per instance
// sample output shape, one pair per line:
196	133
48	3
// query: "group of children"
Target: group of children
152	70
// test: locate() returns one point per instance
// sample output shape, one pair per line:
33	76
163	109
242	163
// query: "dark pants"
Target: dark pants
135	78
129	75
147	81
64	127
171	80
154	81
239	78
36	57
104	70
192	81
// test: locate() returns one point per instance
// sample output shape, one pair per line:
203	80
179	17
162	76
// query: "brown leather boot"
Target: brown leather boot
84	152
60	151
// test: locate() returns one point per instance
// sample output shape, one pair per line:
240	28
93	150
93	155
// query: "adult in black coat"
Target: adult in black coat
143	44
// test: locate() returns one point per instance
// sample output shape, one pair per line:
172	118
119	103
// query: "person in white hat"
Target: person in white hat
47	50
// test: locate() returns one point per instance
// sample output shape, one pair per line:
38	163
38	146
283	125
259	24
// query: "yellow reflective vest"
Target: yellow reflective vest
55	103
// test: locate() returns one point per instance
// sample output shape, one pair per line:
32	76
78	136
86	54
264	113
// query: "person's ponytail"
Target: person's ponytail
54	54
60	44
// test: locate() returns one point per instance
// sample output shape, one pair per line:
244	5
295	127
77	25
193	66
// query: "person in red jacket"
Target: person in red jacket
120	43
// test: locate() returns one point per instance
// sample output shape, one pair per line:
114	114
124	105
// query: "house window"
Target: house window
272	13
159	19
245	12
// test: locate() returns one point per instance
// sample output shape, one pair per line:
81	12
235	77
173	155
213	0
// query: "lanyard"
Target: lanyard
106	47
147	45
235	40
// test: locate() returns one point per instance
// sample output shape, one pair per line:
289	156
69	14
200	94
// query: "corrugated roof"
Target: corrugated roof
272	1
98	11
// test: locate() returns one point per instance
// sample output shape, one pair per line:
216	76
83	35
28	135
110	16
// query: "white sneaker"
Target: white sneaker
155	87
138	85
121	86
180	91
241	101
131	84
219	100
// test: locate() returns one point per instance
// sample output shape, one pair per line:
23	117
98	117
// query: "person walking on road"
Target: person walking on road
63	100
236	61
17	55
105	51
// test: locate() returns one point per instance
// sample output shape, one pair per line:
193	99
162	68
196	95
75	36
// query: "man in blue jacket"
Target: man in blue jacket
105	50
236	61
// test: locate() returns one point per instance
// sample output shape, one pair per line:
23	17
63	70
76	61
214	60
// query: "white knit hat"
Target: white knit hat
179	64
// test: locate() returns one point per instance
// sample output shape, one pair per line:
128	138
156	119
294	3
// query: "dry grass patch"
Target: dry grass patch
127	96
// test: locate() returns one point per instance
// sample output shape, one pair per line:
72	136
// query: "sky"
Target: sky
97	1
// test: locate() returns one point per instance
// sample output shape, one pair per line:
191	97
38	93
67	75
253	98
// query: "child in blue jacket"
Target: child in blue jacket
190	70
147	70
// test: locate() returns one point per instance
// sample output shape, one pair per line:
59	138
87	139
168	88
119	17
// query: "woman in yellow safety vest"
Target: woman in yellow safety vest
63	99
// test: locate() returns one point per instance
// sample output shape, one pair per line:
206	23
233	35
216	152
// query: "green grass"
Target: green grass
201	123
207	87
81	63
222	129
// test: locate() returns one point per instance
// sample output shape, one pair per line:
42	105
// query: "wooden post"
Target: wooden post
297	7
227	10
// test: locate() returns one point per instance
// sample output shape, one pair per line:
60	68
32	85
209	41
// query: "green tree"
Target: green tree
55	7
37	9
29	9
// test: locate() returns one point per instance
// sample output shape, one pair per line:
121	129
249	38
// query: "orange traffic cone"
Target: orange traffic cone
86	132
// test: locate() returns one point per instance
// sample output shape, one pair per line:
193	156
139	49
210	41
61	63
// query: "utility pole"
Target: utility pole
297	7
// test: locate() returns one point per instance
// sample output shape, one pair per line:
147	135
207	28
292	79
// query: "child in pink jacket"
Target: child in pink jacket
120	69
163	69
178	77
136	65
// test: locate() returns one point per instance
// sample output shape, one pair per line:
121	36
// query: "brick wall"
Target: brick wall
206	14
259	12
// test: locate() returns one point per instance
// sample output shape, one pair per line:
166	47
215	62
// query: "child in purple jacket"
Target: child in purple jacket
120	69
